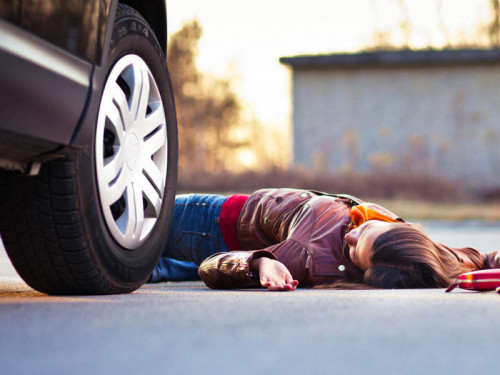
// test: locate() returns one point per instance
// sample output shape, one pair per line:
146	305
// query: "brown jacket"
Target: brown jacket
304	231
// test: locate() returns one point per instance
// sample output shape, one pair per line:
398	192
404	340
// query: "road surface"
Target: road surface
185	328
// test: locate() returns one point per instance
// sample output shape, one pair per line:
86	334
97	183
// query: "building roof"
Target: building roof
395	58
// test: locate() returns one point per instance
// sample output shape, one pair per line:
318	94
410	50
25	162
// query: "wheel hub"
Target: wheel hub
132	151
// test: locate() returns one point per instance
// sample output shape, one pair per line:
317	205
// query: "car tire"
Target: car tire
95	221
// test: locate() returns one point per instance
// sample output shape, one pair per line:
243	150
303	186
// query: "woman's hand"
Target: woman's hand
273	275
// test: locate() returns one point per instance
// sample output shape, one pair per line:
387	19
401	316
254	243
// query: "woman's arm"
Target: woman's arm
231	270
245	269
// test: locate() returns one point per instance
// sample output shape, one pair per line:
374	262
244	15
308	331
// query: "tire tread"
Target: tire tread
40	222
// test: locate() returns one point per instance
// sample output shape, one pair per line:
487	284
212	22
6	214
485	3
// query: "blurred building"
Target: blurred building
431	112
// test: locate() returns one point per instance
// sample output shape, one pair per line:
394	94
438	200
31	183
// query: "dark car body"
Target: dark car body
51	58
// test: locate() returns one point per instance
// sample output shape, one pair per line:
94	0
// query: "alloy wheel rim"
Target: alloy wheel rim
131	152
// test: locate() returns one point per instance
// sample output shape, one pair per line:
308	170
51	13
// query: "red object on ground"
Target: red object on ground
478	280
228	219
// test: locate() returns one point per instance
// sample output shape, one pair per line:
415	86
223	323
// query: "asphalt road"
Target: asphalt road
185	328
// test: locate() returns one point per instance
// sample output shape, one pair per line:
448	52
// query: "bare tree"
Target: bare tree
442	26
494	26
207	107
404	23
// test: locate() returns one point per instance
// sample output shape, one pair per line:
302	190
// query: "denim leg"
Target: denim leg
194	235
169	269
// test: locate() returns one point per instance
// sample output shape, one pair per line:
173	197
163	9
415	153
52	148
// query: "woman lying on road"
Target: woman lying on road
284	238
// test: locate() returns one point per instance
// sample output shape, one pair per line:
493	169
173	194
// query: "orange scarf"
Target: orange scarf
362	213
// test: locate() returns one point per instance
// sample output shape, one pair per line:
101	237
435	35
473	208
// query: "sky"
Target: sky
245	39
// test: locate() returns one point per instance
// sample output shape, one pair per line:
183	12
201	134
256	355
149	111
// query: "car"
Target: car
88	142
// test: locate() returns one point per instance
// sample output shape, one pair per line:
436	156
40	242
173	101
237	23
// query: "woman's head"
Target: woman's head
361	239
398	255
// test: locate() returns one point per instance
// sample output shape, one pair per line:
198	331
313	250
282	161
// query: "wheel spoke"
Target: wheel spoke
115	190
135	212
154	174
114	167
120	100
151	194
129	229
140	93
155	141
144	97
153	121
116	120
139	212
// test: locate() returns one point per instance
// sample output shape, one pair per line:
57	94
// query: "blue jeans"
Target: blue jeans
194	235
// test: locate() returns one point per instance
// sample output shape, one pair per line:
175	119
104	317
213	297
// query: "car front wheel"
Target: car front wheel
96	220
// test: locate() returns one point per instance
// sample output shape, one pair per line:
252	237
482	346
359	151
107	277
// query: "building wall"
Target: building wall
443	121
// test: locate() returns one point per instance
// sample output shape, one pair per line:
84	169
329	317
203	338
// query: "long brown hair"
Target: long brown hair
405	257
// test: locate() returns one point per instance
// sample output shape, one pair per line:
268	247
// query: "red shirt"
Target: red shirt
229	213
